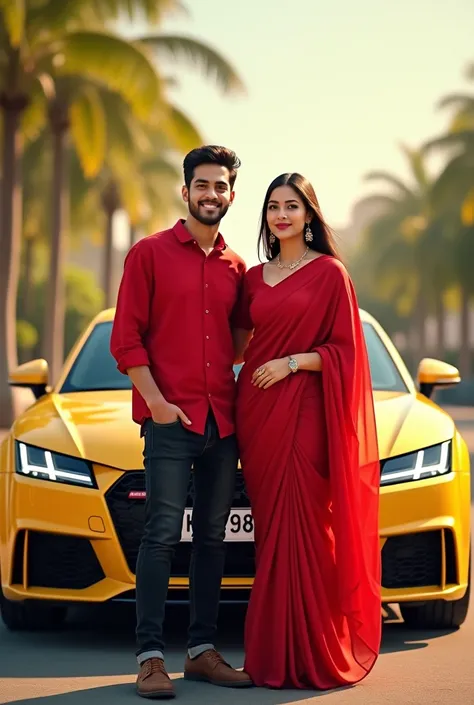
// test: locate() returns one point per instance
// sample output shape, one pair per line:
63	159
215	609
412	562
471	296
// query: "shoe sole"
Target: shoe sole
222	684
158	695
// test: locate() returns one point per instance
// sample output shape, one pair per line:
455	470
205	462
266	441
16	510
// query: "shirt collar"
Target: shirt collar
184	236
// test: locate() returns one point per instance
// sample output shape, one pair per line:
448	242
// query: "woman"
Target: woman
308	447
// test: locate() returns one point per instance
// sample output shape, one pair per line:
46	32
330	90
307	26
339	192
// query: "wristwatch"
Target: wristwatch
293	364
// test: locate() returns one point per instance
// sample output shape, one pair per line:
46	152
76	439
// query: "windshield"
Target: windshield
95	369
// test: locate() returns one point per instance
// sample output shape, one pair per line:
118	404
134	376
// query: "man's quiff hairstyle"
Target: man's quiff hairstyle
211	154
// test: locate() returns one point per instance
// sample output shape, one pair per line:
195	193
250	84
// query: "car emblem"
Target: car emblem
137	494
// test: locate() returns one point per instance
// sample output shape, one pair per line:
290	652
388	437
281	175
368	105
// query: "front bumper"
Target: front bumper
71	544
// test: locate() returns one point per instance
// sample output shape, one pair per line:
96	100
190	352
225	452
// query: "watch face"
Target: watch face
293	365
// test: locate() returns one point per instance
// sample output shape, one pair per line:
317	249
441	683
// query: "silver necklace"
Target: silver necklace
292	265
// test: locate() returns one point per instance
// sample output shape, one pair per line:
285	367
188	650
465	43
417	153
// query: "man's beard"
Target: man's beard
205	217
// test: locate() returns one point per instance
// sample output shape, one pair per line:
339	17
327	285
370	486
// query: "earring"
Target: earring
271	239
308	235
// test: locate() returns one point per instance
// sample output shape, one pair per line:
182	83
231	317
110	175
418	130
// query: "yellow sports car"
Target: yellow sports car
72	493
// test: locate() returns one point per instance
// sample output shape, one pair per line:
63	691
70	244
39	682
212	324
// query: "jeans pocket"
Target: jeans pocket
166	425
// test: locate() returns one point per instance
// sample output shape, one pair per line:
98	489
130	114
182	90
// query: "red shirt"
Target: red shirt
174	311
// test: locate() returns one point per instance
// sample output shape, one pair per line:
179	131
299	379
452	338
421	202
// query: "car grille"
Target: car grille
128	516
56	561
413	560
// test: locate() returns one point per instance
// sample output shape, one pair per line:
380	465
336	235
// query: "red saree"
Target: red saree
309	455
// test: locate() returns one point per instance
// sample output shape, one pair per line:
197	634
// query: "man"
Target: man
172	335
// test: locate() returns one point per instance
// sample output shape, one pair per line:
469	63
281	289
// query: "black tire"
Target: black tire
437	614
29	616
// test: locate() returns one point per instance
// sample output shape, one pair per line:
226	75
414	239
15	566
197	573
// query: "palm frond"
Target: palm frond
462	121
458	101
454	183
89	129
126	135
198	55
390	180
467	209
34	118
14	14
180	130
131	189
119	65
85	202
159	167
47	20
379	203
151	11
416	160
462	140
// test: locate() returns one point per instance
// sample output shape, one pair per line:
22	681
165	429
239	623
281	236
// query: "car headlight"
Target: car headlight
422	464
45	465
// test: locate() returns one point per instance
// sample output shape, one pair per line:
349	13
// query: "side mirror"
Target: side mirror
435	373
33	375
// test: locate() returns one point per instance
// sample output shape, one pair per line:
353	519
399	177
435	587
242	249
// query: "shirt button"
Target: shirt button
207	337
207	310
208	364
209	395
206	285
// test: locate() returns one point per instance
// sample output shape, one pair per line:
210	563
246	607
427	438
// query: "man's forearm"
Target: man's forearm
142	379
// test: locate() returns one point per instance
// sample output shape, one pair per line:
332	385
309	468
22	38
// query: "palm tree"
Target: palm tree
39	41
454	193
139	174
45	52
91	57
76	113
403	248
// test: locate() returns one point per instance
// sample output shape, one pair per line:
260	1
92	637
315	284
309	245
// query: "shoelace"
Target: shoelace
154	665
215	659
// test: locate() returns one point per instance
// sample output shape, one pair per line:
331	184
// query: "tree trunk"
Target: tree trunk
109	260
133	236
10	247
53	343
28	279
465	349
420	325
110	203
440	325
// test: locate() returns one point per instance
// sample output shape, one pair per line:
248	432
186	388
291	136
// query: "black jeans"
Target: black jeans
170	452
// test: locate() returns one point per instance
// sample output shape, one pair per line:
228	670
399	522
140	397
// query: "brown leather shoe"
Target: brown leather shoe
211	668
153	681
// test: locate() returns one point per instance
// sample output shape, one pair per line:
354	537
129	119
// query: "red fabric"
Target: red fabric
174	313
309	455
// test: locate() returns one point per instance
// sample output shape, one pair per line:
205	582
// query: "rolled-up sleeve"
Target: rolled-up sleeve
132	311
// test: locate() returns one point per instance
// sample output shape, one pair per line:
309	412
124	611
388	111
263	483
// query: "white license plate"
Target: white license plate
239	527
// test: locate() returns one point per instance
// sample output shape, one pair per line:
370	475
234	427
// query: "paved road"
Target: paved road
90	662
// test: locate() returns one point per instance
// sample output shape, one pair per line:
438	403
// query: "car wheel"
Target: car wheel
29	616
438	614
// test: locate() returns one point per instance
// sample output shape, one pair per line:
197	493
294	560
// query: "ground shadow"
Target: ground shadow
191	693
100	641
397	637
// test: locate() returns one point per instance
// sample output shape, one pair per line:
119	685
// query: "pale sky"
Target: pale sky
332	89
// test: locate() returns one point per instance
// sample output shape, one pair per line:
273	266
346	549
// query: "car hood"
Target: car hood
97	426
408	422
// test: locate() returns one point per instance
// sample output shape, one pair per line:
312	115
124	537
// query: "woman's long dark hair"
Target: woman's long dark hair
323	237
